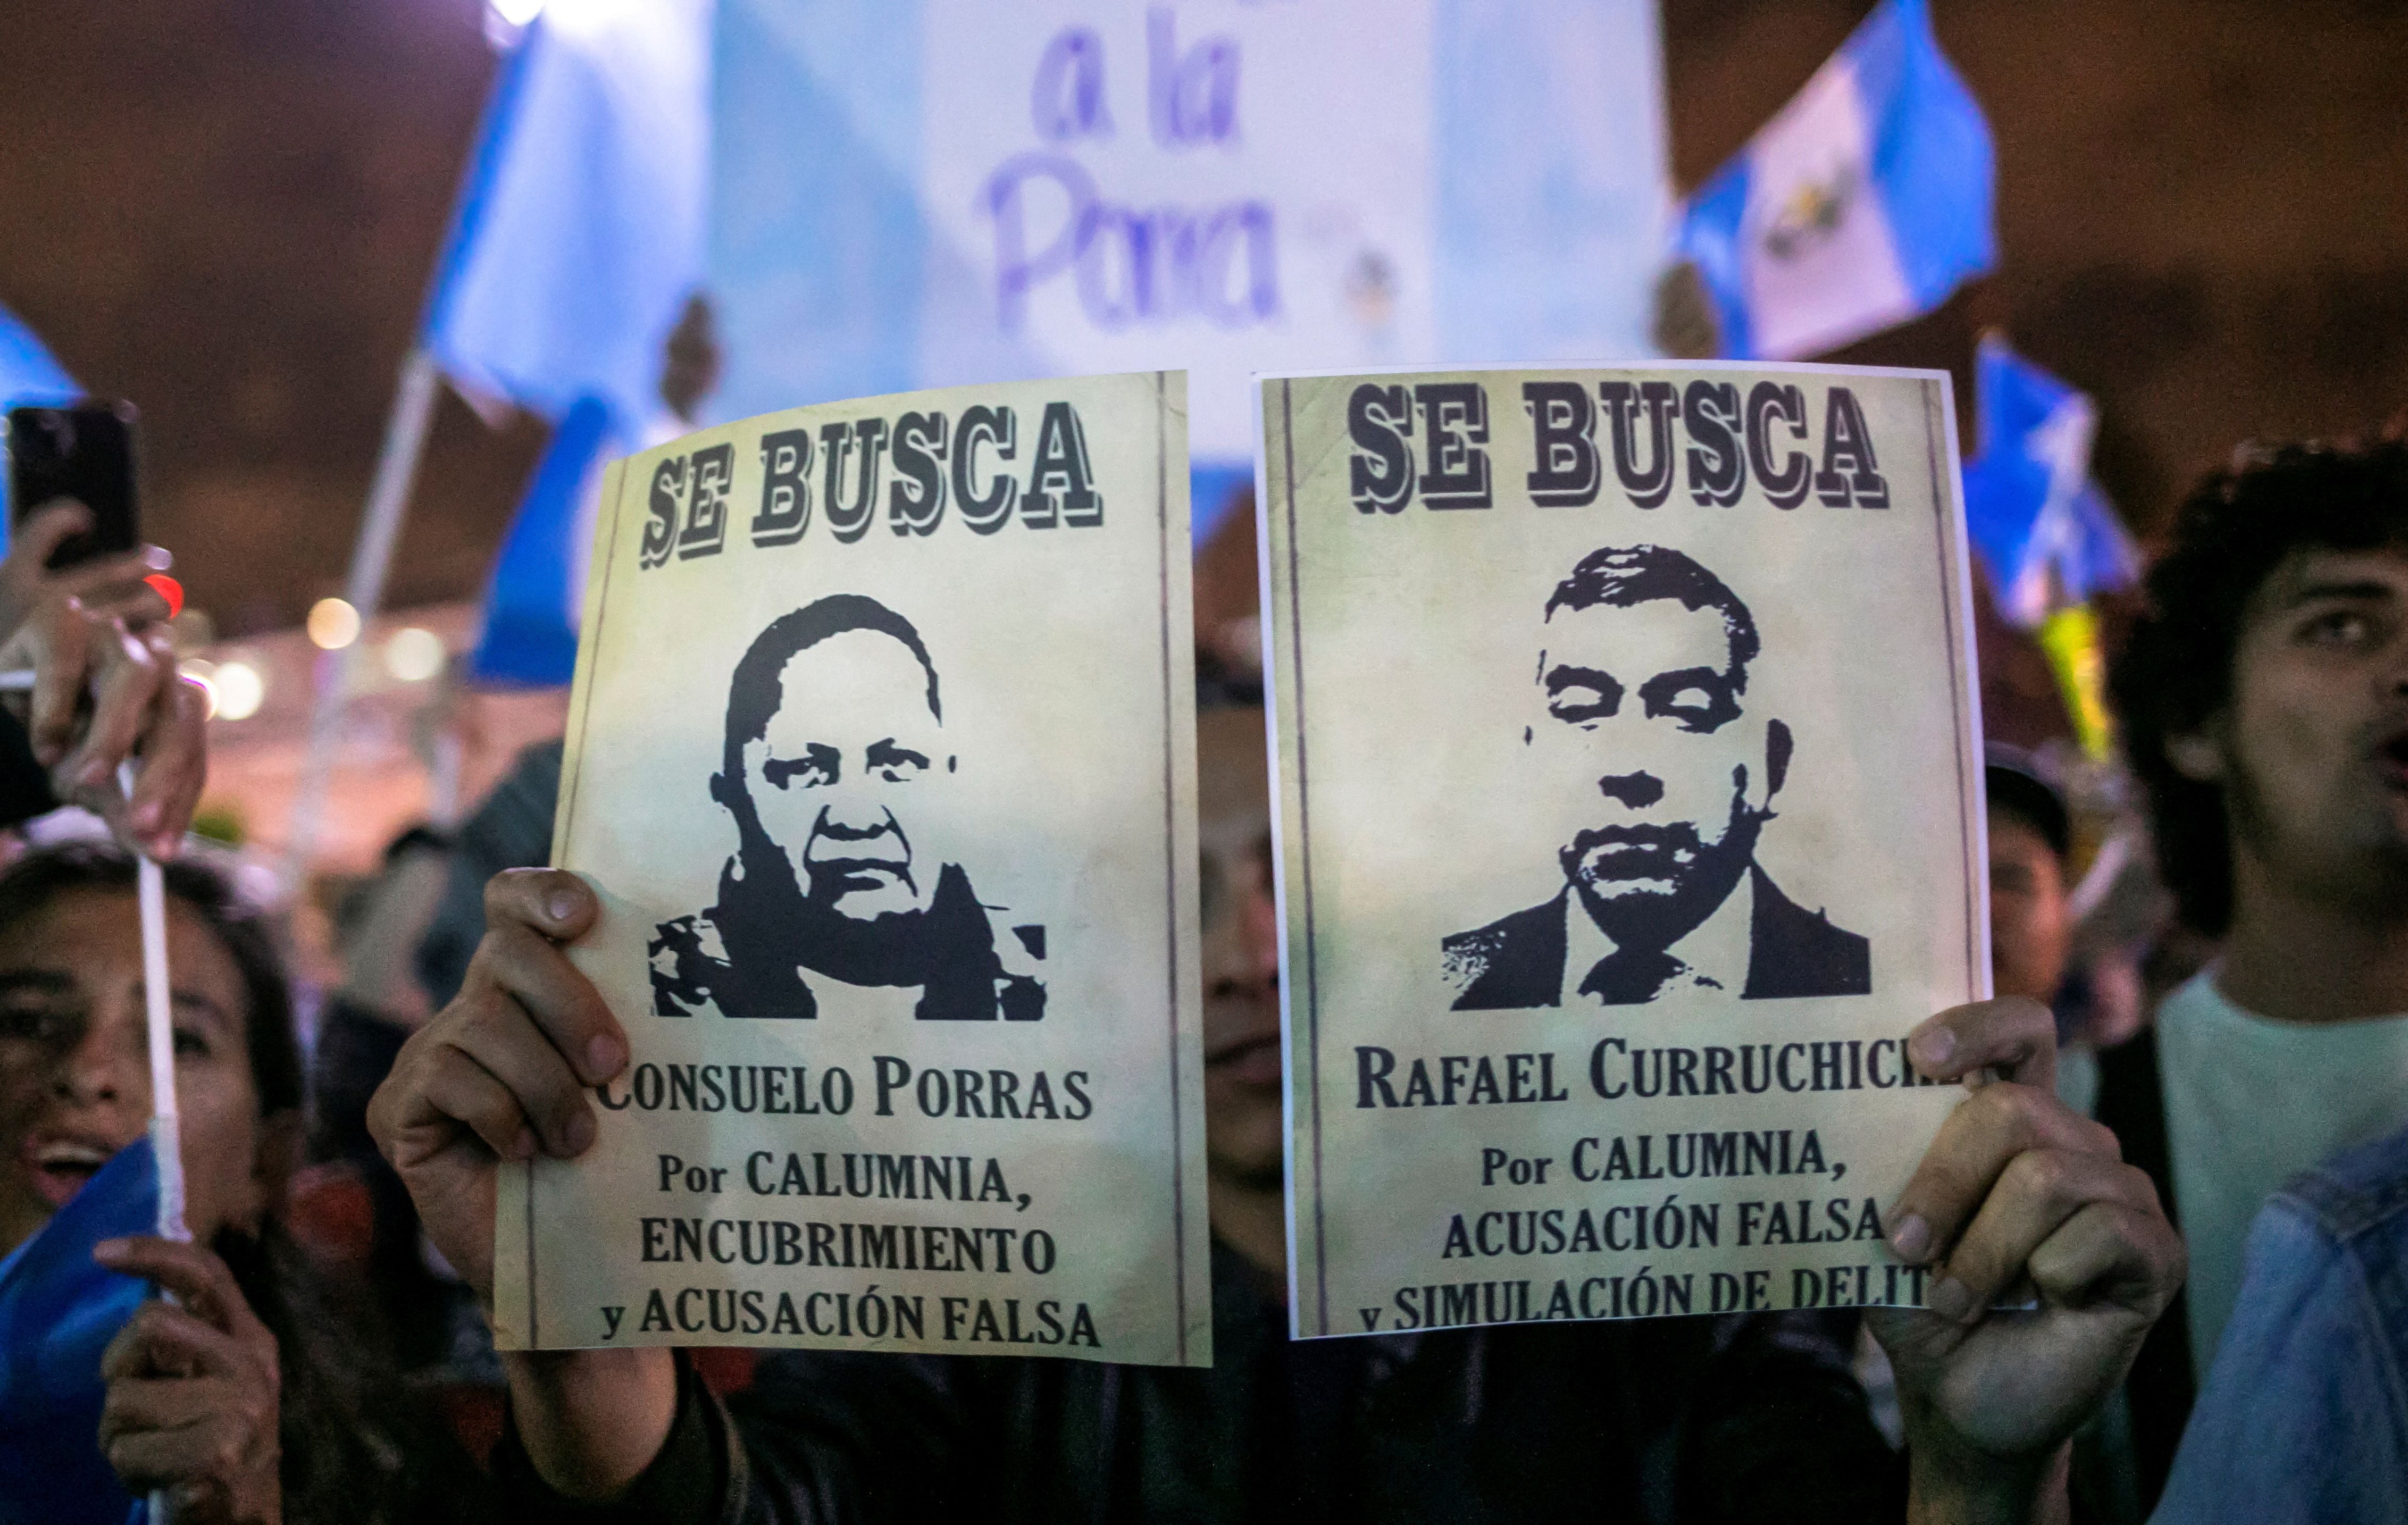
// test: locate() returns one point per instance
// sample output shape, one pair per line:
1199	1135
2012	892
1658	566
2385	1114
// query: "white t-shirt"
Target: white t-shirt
2250	1102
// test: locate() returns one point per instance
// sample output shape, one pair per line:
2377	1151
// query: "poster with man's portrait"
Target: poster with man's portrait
880	756
1629	820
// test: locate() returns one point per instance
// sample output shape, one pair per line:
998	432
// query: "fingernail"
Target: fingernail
146	816
92	774
164	845
561	905
158	558
1933	1045
1951	1299
579	1135
109	1251
1911	1237
603	1057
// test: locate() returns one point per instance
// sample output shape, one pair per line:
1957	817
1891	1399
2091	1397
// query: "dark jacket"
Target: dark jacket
2162	1385
961	977
1518	961
1680	1419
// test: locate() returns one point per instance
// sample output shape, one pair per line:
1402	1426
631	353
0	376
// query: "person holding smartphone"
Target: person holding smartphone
105	688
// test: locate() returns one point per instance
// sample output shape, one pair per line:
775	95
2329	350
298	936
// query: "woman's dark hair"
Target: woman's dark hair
354	1449
40	876
2173	674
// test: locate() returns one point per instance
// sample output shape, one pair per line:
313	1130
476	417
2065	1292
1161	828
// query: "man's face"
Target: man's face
833	777
1242	1127
2313	750
2030	928
1641	718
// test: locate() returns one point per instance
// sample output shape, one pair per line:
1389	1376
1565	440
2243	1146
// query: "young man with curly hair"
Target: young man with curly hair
2264	699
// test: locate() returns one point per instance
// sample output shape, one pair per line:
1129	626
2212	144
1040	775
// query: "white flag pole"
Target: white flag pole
166	1140
404	441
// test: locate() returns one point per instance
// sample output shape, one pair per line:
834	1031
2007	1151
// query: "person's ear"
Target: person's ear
1778	744
2197	756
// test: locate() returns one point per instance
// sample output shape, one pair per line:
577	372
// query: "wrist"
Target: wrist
592	1420
1949	1487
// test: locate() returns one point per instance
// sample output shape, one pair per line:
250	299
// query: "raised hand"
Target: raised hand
501	1073
106	685
2019	1200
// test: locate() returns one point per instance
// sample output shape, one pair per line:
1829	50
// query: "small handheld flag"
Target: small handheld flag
59	1309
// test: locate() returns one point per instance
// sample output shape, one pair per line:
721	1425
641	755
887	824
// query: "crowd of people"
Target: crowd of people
322	1354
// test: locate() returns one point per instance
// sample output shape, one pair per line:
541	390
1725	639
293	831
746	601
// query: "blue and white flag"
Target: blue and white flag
59	1309
536	595
27	372
1865	202
580	226
2043	528
28	375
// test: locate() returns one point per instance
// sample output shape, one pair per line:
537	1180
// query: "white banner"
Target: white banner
927	191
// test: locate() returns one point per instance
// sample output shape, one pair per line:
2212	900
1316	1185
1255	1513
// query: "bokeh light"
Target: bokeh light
238	689
414	654
333	624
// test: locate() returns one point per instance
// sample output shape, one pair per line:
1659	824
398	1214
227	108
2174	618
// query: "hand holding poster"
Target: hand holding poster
1629	818
880	759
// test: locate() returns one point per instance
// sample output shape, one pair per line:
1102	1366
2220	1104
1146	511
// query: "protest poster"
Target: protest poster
881	758
1629	818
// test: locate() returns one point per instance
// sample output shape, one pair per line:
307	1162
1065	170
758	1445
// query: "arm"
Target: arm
2017	1199
501	1073
2303	1417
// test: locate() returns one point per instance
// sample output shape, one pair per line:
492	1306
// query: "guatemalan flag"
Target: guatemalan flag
579	238
2041	526
28	375
59	1310
1866	201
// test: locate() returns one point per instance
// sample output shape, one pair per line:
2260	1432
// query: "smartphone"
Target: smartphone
84	453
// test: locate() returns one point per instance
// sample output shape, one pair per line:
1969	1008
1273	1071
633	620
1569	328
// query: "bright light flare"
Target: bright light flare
333	624
414	654
517	13
237	690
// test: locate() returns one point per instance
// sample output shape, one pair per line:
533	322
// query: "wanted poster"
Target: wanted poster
881	758
1629	818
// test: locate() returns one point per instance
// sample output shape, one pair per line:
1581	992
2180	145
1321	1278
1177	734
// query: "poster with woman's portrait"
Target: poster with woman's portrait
1630	819
880	756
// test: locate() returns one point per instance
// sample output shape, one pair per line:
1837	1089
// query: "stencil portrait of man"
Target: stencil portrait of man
1642	711
835	732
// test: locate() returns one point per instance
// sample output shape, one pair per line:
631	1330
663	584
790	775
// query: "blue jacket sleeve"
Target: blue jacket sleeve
2303	1421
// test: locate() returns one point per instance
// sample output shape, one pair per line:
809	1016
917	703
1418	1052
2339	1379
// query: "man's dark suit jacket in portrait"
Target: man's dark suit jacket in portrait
1518	961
